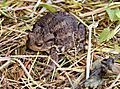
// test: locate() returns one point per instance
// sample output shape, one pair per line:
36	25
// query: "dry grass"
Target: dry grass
21	68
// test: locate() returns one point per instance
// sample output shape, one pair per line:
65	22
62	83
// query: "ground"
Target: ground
20	67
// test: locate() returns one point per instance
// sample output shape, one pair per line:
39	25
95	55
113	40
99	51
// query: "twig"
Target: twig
33	65
79	19
20	56
89	53
3	78
35	7
4	59
77	61
12	28
93	25
12	39
20	8
27	73
64	72
110	87
23	56
117	29
30	0
44	9
117	4
5	65
72	69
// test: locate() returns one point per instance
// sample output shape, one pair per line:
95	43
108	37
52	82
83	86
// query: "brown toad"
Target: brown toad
57	32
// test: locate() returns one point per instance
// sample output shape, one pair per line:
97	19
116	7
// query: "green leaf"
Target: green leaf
118	14
106	35
49	7
113	50
102	36
4	3
4	13
113	14
118	60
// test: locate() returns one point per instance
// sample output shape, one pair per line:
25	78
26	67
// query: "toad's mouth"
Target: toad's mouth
32	44
34	47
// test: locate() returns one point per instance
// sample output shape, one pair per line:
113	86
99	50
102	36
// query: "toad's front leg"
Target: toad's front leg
54	59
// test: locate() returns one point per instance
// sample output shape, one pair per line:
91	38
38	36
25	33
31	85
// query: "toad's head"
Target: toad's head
40	40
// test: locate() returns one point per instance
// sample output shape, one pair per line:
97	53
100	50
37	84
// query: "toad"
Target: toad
57	33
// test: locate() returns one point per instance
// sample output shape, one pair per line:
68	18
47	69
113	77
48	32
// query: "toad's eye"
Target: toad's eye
51	40
49	37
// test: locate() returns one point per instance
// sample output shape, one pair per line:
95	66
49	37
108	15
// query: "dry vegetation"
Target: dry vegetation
21	68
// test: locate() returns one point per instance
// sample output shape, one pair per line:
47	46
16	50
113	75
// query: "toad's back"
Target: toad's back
58	29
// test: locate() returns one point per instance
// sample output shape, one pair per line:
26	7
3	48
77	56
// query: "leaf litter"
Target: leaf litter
22	68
